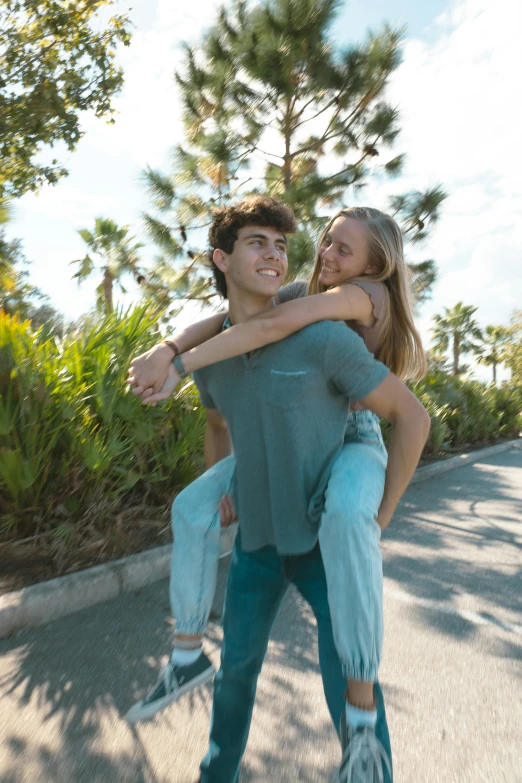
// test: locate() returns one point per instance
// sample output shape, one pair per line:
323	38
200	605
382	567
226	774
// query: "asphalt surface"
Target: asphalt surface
452	668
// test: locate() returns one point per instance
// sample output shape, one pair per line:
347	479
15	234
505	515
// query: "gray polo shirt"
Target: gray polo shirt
286	407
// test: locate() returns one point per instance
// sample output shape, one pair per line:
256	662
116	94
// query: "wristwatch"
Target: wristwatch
180	367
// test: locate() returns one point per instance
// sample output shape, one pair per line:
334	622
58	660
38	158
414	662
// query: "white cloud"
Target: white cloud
460	118
149	120
68	203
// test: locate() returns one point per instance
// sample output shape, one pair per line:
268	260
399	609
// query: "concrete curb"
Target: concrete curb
428	471
41	603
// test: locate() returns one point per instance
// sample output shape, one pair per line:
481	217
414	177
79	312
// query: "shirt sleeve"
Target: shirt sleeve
349	365
204	394
295	290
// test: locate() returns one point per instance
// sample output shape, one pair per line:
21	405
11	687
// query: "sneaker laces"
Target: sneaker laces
170	680
363	746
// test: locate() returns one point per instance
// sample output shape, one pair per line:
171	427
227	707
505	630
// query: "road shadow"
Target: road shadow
461	533
83	672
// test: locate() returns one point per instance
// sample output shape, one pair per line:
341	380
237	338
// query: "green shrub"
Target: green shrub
78	453
76	448
465	412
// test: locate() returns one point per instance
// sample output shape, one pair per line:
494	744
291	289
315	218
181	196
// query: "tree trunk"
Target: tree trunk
456	352
494	373
287	160
107	289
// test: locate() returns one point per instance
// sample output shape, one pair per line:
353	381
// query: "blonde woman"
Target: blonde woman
359	277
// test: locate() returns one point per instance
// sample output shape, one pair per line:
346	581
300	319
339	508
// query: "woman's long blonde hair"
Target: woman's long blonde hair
401	349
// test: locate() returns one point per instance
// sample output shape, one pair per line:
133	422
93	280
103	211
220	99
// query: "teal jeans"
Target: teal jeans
256	585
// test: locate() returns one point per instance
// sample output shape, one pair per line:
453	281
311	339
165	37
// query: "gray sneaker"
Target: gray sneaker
363	755
174	682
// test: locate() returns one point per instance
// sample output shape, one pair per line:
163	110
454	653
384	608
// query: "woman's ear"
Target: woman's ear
371	269
220	260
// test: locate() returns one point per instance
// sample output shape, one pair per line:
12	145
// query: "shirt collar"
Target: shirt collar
227	324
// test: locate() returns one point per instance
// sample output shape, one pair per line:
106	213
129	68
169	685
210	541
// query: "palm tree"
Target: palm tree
116	254
491	350
458	330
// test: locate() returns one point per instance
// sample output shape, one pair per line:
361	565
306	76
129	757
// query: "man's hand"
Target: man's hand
166	390
227	512
148	372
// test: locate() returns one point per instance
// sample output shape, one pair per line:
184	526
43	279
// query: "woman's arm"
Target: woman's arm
149	370
344	303
200	332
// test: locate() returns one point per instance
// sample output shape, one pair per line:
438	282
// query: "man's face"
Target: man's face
258	262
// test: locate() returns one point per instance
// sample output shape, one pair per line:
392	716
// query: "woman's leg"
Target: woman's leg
195	552
349	538
196	532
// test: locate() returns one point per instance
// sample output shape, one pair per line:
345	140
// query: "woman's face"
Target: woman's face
344	252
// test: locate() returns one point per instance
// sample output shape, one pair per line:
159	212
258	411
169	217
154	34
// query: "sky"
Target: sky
456	91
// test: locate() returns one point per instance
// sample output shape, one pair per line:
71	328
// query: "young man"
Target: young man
285	407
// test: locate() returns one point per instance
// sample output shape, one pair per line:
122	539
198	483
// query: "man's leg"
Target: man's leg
307	573
256	585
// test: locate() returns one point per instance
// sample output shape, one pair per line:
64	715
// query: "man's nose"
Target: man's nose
271	251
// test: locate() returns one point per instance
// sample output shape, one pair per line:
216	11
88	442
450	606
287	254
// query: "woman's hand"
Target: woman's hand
227	512
148	372
166	390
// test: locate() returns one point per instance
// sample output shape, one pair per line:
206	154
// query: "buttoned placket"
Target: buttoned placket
248	359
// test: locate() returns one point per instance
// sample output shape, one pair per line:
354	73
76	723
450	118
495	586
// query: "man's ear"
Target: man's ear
220	259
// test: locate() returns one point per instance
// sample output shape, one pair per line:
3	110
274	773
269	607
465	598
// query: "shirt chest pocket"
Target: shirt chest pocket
286	389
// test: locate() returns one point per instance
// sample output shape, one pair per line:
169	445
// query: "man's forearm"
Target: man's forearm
217	445
409	435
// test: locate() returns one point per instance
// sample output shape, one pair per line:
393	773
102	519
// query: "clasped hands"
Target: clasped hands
152	377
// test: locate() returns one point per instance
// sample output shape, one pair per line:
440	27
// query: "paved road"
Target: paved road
452	672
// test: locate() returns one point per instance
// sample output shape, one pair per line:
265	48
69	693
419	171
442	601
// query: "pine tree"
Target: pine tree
270	105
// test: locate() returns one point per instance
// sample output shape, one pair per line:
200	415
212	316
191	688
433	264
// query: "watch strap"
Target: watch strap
180	367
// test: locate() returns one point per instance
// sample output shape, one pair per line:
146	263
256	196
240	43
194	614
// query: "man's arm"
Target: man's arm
217	447
217	438
393	401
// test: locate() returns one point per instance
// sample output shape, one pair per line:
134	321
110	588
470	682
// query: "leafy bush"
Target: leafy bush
80	457
77	449
466	412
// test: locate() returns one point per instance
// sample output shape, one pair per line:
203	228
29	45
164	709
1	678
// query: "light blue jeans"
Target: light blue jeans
349	539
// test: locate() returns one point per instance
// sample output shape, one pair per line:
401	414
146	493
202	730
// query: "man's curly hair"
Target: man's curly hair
254	211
